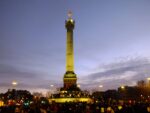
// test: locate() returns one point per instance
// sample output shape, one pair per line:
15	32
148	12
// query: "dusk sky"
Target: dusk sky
111	43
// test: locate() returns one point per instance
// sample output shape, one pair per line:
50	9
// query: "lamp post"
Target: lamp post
122	87
148	79
100	87
51	90
78	85
123	92
14	84
52	85
148	86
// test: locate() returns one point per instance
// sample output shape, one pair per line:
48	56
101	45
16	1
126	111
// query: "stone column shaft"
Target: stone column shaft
69	51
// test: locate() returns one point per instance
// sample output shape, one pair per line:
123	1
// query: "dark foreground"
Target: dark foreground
78	108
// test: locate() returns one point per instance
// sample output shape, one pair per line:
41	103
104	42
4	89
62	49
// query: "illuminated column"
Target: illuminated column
70	76
69	49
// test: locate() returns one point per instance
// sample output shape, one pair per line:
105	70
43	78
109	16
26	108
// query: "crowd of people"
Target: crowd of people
79	107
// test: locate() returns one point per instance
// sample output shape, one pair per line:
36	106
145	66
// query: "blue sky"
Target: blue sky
111	42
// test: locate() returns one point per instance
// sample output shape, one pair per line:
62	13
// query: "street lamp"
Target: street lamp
78	85
52	85
52	90
148	78
14	83
100	86
122	87
148	81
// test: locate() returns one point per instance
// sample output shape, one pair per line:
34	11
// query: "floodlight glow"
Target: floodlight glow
51	85
100	86
122	87
14	83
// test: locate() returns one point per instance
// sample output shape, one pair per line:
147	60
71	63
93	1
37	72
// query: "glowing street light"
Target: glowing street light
78	85
100	86
148	81
14	83
122	87
148	78
52	85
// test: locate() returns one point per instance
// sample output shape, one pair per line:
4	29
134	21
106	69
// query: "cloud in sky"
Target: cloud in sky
115	74
112	75
32	80
25	79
